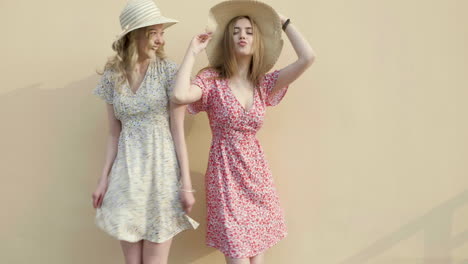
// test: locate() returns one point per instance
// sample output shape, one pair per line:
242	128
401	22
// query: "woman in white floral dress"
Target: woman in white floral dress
145	191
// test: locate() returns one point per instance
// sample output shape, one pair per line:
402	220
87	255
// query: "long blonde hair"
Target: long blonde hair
126	57
228	67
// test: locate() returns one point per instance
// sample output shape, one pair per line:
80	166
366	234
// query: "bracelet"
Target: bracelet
286	23
191	191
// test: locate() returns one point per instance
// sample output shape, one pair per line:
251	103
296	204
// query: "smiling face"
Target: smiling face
149	40
243	37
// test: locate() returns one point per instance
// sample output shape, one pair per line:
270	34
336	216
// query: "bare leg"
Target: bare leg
259	259
237	261
132	251
156	253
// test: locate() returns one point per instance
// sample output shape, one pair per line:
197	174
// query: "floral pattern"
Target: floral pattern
244	217
142	199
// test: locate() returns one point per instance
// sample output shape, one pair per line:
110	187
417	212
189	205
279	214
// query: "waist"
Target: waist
234	135
145	120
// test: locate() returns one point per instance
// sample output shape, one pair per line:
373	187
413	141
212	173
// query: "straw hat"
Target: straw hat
264	16
141	13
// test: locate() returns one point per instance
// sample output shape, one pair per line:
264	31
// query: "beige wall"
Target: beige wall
369	149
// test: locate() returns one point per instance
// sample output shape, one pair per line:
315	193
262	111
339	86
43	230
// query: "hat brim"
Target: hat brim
166	22
264	16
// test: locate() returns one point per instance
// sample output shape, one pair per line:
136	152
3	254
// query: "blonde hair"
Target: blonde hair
228	67
126	57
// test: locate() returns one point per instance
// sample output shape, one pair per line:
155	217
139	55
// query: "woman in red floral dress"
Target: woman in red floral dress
244	216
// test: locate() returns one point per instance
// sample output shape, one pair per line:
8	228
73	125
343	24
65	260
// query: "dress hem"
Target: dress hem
257	252
160	240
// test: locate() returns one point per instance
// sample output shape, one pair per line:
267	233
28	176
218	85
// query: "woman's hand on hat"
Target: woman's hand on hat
282	18
199	42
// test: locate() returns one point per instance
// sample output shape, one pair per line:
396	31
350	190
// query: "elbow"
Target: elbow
114	129
309	60
114	136
176	98
114	133
180	99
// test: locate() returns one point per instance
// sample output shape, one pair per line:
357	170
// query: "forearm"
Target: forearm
182	156
305	57
178	135
181	90
111	153
304	51
115	127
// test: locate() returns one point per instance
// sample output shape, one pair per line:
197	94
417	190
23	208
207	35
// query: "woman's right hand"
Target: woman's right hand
98	194
188	200
199	42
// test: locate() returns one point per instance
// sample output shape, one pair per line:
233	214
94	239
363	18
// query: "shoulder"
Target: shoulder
169	64
208	74
166	65
163	67
271	75
108	75
109	72
270	78
105	87
207	78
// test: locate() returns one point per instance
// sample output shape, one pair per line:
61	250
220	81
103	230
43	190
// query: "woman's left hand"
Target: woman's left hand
188	200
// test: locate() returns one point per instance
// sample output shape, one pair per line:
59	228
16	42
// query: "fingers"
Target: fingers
188	207
97	200
187	202
94	200
206	34
99	204
204	37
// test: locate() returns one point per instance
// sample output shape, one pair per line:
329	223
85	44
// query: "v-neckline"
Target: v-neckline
237	100
141	83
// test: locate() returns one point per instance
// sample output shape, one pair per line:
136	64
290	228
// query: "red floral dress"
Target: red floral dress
244	216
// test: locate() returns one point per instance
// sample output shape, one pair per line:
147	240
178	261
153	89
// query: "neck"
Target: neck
143	60
141	63
243	65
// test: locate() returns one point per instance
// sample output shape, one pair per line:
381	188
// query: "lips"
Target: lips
242	43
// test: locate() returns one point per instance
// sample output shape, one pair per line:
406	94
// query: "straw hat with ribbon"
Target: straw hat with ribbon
264	16
141	13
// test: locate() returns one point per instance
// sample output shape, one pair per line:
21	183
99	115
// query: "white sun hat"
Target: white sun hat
141	13
263	15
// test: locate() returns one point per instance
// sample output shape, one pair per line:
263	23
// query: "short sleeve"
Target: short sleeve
204	80
171	72
105	87
268	83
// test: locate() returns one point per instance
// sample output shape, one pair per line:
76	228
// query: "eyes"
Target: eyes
154	33
248	31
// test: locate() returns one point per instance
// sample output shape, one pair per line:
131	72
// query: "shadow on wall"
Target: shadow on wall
436	227
53	147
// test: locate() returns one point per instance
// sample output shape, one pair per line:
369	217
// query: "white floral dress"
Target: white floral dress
142	199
